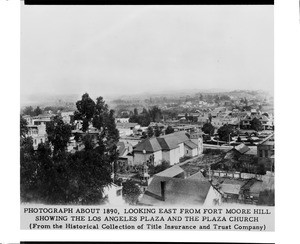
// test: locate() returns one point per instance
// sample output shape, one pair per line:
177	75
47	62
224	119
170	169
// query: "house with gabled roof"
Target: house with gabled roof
172	187
155	150
169	147
191	149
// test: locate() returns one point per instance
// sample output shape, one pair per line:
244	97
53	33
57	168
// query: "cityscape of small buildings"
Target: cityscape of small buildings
196	168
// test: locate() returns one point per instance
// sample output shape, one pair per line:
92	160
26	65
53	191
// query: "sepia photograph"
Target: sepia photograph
147	106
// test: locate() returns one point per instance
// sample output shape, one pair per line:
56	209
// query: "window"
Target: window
261	153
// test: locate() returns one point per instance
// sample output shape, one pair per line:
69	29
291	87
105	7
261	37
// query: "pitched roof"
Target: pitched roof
167	143
264	118
231	188
269	140
177	192
180	136
171	172
242	148
252	151
190	144
156	144
197	176
149	145
256	187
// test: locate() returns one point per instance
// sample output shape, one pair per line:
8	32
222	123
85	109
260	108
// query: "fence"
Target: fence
235	175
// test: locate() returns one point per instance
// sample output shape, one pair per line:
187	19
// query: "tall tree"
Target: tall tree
155	114
37	111
100	113
58	134
85	111
97	162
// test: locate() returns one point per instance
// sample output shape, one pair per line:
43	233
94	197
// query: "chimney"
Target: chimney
163	190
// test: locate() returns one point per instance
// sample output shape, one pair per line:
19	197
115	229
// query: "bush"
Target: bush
184	158
156	169
131	192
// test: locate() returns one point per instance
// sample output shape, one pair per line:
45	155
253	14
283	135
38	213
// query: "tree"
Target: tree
28	111
37	111
155	114
59	134
85	111
50	176
90	171
131	192
143	119
161	167
23	127
100	113
57	177
144	135
208	128
96	162
225	132
169	130
27	169
150	132
157	131
256	124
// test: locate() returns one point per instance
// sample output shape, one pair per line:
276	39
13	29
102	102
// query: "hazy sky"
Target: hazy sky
107	50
